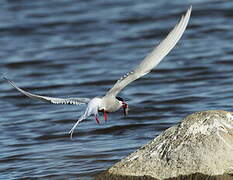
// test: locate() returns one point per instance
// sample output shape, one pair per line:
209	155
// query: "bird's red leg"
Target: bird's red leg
97	119
105	116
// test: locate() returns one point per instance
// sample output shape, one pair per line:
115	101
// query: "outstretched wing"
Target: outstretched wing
73	101
154	57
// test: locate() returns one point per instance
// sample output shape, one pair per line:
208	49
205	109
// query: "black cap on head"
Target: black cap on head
120	99
124	105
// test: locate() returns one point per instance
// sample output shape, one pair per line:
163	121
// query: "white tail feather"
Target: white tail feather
92	108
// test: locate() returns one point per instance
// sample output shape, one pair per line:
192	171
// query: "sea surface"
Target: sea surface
79	48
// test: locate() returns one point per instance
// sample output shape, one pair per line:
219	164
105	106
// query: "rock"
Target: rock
200	147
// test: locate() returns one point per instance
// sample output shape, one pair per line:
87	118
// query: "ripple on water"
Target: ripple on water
80	48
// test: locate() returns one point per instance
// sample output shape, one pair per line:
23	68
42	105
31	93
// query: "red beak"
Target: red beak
125	108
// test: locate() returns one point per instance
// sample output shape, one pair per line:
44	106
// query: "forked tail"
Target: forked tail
92	108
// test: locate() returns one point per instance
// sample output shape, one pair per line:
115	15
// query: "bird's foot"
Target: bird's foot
97	120
105	116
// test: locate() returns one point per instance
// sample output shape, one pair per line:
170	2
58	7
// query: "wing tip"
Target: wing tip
190	7
185	18
5	78
8	80
189	10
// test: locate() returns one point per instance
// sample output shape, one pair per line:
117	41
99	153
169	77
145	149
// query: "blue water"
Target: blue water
69	48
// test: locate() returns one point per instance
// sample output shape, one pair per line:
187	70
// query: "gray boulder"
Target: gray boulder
200	147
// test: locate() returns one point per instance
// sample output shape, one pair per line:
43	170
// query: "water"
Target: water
80	48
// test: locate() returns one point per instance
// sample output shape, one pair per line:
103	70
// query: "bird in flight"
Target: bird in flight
110	102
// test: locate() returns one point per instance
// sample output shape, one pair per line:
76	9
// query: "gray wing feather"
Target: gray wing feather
73	101
153	59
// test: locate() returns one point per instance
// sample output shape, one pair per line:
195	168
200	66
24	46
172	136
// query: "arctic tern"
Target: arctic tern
110	102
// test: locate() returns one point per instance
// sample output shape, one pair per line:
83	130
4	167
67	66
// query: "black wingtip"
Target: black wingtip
5	78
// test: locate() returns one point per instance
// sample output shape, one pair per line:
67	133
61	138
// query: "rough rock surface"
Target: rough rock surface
200	147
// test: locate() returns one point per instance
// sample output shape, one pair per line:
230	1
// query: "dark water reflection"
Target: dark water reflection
79	48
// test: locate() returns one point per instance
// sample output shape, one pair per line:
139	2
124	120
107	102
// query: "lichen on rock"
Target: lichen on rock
201	145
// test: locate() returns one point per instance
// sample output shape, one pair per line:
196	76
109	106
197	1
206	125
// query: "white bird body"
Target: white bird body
107	104
110	102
